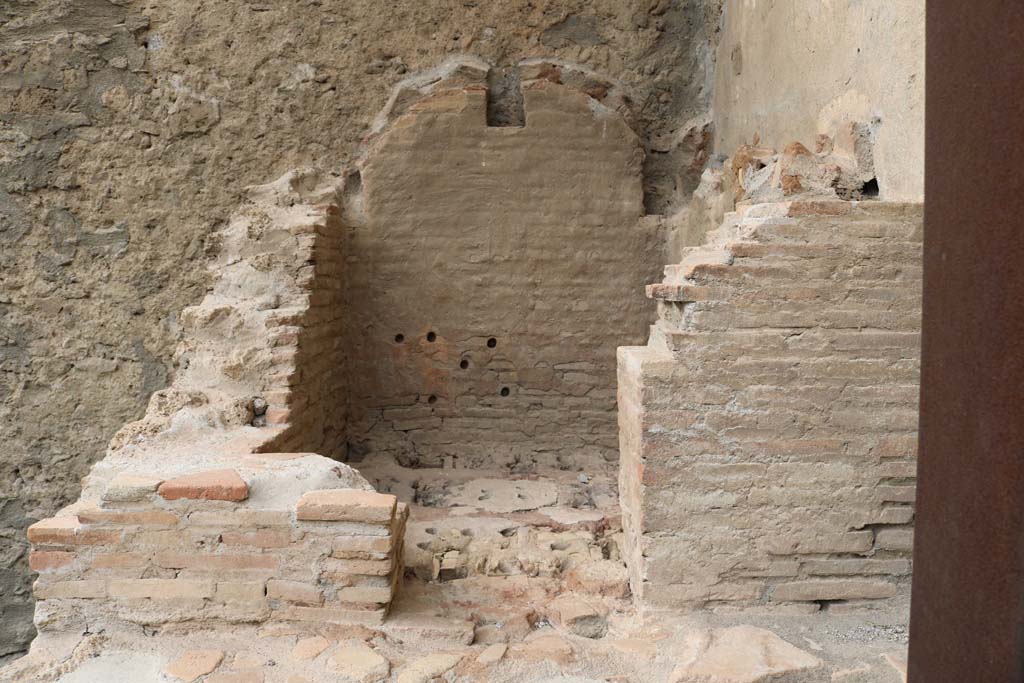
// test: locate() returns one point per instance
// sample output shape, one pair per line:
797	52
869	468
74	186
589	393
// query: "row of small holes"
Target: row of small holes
505	391
432	337
464	363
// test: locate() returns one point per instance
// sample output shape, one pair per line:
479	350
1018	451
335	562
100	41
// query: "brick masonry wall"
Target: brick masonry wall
496	271
195	549
128	130
768	429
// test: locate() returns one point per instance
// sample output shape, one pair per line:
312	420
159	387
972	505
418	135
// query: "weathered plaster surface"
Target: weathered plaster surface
792	69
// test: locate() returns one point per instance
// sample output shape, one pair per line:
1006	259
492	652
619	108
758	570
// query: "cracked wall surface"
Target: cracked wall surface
127	130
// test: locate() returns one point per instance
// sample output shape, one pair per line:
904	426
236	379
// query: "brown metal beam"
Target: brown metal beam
967	614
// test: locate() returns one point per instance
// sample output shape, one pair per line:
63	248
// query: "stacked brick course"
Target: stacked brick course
194	517
189	549
768	429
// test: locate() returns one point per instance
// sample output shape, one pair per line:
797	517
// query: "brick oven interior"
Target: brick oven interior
485	294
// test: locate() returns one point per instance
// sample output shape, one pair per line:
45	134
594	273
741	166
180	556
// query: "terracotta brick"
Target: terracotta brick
207	562
119	561
346	505
335	567
330	615
163	539
262	538
210	485
364	595
840	589
68	531
56	530
349	547
162	589
192	664
49	560
240	591
70	589
852	542
294	591
142	518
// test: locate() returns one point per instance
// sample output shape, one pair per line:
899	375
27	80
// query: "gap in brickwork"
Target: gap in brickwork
505	99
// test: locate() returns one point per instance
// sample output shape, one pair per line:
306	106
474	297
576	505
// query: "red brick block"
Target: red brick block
210	485
69	531
346	505
48	560
202	562
262	538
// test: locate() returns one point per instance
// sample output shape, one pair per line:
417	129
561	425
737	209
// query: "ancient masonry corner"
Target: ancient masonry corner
768	428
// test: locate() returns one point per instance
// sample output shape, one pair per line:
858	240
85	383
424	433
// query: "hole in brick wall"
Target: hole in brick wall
399	338
492	342
352	207
870	188
504	99
432	399
505	391
464	363
431	336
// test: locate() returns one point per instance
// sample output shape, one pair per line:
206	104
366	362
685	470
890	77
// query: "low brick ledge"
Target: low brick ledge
194	547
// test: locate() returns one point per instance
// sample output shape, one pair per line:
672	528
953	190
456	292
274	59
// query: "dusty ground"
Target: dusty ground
130	127
865	647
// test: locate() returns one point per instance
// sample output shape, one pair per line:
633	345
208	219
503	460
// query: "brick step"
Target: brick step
712	258
714	316
818	290
794	271
206	545
807	232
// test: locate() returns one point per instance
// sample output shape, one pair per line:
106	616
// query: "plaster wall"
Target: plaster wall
788	70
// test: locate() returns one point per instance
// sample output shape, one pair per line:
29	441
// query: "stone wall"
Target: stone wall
768	428
127	132
790	70
495	271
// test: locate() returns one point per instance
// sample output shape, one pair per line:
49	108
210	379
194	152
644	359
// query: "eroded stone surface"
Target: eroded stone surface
742	654
310	648
359	663
131	487
426	668
193	664
579	616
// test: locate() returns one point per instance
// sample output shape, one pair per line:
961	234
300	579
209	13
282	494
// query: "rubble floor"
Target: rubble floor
511	578
864	647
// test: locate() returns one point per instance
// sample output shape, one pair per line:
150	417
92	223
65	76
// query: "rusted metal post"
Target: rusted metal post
967	614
